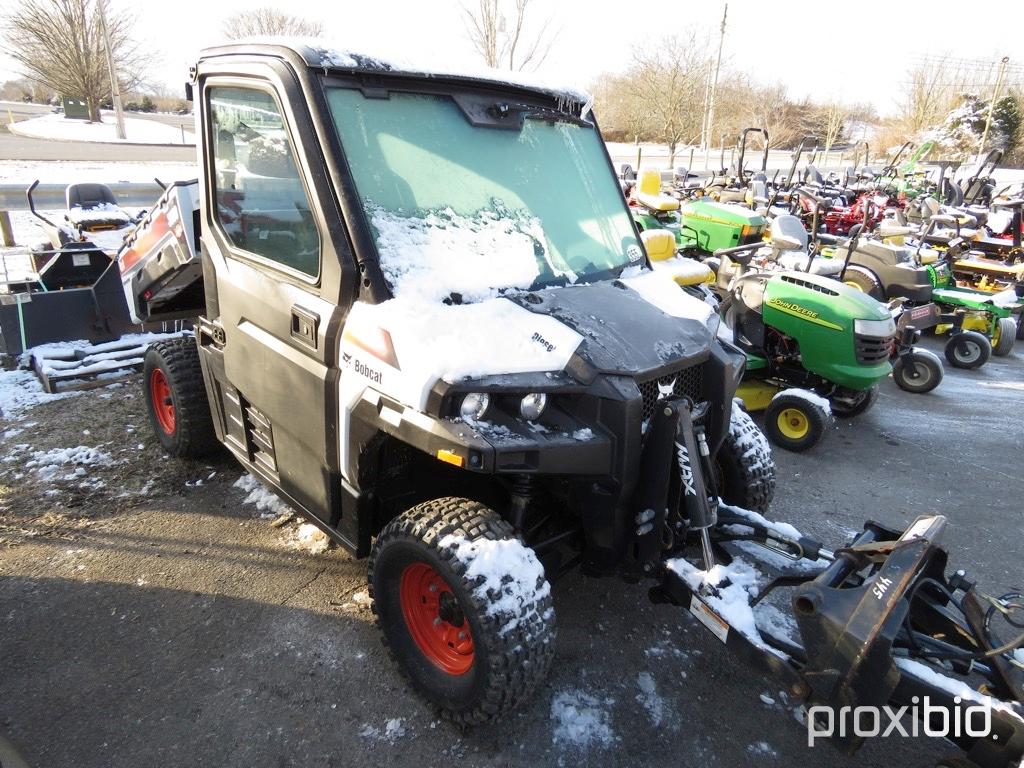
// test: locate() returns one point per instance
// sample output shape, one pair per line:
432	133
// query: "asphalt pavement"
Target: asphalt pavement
178	629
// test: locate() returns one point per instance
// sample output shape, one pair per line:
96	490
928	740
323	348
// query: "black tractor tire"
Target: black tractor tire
508	618
1020	327
919	372
864	281
1007	334
864	401
176	399
795	423
745	464
968	350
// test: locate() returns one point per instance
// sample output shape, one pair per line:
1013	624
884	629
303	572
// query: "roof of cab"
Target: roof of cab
319	54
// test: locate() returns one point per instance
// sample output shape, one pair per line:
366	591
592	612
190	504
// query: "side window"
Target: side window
261	201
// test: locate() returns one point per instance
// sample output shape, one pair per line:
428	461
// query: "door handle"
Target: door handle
305	326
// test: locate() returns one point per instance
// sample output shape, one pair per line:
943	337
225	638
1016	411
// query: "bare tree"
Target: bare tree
669	81
928	94
621	109
501	34
771	109
59	45
266	20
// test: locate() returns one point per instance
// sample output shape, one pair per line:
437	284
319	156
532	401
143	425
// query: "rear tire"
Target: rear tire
795	423
746	466
862	401
176	401
1006	334
922	372
483	645
1020	327
968	350
864	281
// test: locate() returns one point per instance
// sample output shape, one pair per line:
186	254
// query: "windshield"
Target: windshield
460	212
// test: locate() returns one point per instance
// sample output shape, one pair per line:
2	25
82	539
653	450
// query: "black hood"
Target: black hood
622	332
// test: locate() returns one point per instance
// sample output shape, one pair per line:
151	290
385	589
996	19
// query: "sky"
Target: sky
850	52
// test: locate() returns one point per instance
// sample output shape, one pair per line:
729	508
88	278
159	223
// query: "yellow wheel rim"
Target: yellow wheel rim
793	423
995	336
853	285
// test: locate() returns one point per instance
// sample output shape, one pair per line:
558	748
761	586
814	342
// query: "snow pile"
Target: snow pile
49	465
441	253
21	390
312	539
649	698
581	720
811	397
266	503
509	575
785	530
56	126
659	289
683	268
394	729
103	212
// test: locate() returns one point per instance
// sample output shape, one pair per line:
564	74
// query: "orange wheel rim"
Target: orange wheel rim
163	405
435	619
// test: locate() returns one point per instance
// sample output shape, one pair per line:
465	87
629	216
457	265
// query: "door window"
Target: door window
261	201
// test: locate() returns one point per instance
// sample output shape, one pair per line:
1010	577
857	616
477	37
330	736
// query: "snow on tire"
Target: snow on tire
464	607
746	466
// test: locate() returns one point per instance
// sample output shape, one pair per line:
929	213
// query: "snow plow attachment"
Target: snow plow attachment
876	624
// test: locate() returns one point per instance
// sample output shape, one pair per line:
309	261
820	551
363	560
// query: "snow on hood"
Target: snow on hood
431	256
334	56
434	341
662	291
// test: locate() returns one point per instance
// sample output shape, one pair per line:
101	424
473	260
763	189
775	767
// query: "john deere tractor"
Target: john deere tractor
701	226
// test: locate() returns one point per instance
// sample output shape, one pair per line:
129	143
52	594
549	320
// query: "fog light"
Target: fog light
533	405
475	405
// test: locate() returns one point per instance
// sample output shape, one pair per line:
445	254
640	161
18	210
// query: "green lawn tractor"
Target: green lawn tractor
814	347
981	324
701	226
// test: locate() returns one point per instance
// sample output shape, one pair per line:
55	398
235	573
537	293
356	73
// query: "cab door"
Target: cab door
277	280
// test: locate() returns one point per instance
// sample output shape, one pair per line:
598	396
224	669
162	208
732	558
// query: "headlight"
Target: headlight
533	405
875	328
475	405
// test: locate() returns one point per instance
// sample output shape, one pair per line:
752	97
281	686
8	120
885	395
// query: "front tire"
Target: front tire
864	281
464	607
1005	335
176	400
746	466
968	350
919	372
795	423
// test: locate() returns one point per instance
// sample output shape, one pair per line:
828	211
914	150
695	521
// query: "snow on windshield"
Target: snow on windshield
438	254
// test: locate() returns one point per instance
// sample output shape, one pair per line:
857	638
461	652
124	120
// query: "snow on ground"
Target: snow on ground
259	495
58	127
649	698
512	578
762	749
393	730
310	538
21	390
68	171
49	465
582	720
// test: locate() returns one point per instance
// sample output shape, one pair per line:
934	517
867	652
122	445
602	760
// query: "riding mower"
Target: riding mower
700	226
814	347
980	324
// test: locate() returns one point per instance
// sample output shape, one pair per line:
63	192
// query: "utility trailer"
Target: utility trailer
424	317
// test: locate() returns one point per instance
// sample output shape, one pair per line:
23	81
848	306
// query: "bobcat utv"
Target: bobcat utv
426	320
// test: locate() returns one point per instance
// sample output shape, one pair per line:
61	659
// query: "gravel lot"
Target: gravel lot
148	616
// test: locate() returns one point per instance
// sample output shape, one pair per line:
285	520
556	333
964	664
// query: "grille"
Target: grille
686	382
871	350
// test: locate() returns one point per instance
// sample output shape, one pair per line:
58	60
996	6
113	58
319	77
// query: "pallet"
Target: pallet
97	365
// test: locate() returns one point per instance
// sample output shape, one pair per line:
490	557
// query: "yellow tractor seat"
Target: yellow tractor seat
648	193
928	255
661	249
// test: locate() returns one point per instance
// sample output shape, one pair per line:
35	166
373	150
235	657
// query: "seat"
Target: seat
813	176
648	193
797	261
89	195
928	256
788	234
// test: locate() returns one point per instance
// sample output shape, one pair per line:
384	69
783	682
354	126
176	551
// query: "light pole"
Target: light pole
992	104
115	89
